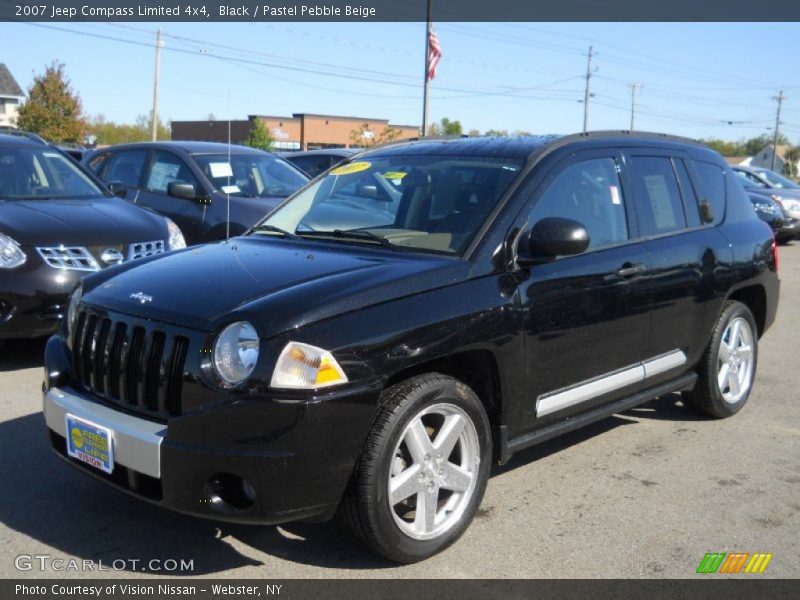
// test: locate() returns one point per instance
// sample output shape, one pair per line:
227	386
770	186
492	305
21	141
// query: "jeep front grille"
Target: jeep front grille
134	367
142	249
74	258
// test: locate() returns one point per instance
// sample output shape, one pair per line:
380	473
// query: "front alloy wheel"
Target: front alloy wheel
423	470
434	471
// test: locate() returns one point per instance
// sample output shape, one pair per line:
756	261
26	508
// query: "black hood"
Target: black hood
88	222
277	284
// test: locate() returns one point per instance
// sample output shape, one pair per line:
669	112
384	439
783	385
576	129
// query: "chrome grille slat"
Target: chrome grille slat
143	249
130	365
71	258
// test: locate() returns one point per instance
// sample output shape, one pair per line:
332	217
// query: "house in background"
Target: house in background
739	161
10	97
764	158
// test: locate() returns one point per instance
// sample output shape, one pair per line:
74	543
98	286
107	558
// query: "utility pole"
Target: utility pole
633	87
780	98
154	126
427	67
586	92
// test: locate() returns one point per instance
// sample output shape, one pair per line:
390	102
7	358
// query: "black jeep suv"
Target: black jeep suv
522	288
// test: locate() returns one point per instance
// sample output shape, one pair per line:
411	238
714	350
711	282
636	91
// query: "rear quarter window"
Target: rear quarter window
712	188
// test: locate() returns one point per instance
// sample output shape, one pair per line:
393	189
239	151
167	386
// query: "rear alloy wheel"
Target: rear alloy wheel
728	367
423	470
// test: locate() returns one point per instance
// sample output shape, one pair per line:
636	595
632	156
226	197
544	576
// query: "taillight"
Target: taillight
775	253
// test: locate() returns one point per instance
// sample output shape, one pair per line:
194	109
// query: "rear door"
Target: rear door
683	251
586	317
126	167
167	167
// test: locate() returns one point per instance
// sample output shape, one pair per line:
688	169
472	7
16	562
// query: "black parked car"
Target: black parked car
316	162
771	212
193	182
58	223
524	288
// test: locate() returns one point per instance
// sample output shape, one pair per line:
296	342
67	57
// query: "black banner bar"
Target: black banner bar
732	588
399	10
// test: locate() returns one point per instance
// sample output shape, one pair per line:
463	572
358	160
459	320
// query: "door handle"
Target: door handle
631	270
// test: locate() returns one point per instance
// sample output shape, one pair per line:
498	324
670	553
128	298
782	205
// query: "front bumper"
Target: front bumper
33	298
260	460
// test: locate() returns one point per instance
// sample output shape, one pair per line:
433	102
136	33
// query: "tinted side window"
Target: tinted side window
658	200
168	168
98	162
313	165
712	180
588	192
127	167
690	203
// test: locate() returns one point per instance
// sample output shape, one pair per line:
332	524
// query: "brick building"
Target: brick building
301	131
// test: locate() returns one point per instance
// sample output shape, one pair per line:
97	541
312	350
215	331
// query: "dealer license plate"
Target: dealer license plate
90	443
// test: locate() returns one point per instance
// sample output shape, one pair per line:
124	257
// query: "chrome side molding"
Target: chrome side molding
559	400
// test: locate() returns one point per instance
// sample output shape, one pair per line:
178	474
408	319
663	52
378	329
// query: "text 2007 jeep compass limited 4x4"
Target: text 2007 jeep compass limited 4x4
409	318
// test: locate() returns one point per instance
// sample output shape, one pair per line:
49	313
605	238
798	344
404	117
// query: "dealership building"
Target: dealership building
301	131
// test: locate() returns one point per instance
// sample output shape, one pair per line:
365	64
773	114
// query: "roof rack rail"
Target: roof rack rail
25	134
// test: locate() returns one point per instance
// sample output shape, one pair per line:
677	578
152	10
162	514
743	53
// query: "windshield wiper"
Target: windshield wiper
360	235
273	229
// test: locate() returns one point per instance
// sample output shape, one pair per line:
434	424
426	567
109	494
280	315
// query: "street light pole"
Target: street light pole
154	125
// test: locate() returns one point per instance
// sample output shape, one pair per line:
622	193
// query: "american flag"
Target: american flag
434	53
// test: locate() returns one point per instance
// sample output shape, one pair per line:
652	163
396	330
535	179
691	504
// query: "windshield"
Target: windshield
778	181
251	175
747	183
422	203
28	173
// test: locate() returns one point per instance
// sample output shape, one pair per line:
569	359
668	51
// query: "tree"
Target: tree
791	157
496	132
473	133
259	136
445	127
53	110
110	133
364	137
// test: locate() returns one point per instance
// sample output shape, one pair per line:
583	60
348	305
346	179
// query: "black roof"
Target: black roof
9	85
343	152
191	147
20	138
524	147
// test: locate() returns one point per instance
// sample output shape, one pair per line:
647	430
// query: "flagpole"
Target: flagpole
427	67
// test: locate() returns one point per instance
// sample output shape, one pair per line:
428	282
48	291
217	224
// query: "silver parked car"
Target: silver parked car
784	191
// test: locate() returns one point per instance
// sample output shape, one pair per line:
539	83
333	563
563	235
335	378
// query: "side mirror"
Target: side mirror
552	237
182	190
367	191
118	189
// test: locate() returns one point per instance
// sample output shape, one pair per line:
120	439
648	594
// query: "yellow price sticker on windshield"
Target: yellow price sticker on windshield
353	167
394	175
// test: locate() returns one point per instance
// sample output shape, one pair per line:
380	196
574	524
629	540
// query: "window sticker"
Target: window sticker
394	175
162	174
220	169
354	167
660	201
615	199
230	189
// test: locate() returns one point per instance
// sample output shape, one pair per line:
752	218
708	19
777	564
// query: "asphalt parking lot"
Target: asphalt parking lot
643	494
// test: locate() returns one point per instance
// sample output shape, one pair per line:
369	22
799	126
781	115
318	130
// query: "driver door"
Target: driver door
586	317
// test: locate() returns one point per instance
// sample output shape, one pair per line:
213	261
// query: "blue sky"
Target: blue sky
517	76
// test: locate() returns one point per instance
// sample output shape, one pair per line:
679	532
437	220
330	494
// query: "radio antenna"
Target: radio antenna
228	187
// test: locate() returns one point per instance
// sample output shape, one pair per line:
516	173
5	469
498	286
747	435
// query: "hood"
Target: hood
277	284
88	222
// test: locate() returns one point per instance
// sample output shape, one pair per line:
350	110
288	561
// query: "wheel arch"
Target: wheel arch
477	368
753	297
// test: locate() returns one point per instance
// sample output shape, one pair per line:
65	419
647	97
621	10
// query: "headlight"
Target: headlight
72	309
767	207
236	352
301	366
176	240
11	255
791	205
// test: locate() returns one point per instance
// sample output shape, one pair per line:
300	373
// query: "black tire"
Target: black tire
365	509
706	398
